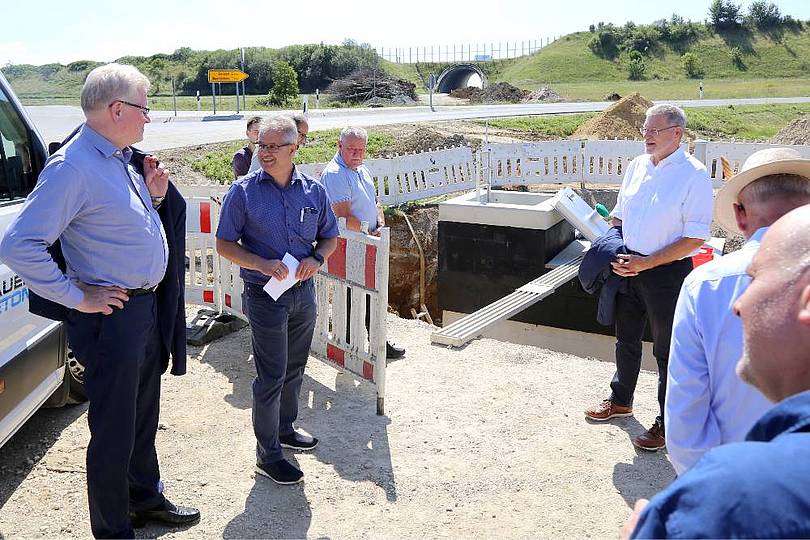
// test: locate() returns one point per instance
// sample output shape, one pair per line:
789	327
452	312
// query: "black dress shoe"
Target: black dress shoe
165	513
298	440
393	352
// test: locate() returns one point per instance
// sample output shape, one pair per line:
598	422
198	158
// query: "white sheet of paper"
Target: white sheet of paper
275	287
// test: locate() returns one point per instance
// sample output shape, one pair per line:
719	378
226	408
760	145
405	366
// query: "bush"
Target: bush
691	65
605	43
285	84
636	68
641	38
737	58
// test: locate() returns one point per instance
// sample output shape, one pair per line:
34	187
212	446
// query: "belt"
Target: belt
141	292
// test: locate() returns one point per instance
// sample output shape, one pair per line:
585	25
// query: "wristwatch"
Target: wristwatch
317	256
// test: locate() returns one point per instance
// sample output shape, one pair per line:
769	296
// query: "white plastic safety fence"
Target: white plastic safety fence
356	274
736	153
420	176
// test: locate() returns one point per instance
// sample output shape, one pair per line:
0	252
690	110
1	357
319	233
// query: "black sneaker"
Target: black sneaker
280	472
392	352
298	440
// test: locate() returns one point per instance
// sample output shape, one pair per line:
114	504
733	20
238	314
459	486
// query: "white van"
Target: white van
36	366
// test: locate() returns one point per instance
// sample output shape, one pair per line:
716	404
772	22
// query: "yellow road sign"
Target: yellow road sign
226	76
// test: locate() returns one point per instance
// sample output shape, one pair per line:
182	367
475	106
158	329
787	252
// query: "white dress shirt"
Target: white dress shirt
660	204
707	404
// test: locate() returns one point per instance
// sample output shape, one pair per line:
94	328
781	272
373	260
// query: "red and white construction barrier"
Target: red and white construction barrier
356	273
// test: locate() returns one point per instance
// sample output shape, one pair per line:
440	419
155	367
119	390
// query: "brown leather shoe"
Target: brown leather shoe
652	439
607	410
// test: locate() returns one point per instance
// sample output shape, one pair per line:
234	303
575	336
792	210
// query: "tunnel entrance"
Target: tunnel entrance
460	76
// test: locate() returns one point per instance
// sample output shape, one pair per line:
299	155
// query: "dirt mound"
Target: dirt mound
422	140
796	132
545	94
466	93
494	93
622	120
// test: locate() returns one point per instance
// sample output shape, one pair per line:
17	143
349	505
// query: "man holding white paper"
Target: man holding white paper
267	216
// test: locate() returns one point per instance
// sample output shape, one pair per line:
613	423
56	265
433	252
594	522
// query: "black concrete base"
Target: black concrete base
209	325
479	264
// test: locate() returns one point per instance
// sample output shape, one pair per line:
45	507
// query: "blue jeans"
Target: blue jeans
281	334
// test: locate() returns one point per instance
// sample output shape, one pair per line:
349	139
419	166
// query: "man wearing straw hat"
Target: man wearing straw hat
665	209
707	404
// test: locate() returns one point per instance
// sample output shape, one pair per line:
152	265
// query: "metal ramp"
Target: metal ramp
473	325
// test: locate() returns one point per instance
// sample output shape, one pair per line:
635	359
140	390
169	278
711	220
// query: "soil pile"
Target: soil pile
501	92
796	132
422	140
373	88
546	94
465	93
622	120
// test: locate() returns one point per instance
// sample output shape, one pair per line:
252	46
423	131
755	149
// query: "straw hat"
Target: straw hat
759	164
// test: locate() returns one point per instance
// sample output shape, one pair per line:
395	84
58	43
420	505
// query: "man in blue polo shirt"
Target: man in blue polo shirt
353	195
756	488
265	215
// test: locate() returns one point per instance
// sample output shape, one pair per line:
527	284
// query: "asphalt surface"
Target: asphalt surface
191	127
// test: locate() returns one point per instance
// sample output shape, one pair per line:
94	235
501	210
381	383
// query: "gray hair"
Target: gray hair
284	124
354	131
110	82
782	186
674	114
299	119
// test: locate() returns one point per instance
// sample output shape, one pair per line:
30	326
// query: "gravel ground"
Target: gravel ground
486	441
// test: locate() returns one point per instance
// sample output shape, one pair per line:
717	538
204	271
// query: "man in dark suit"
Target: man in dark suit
109	217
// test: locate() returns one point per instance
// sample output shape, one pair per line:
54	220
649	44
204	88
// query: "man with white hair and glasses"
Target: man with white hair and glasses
664	209
92	198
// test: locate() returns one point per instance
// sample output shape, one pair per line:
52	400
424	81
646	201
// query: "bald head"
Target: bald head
775	310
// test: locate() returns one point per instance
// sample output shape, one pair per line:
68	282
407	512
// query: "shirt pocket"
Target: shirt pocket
309	226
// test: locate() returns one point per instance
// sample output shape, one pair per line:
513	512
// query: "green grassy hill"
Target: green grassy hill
569	60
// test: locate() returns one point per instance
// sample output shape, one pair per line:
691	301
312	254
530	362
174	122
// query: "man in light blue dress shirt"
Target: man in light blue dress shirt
104	212
353	196
707	404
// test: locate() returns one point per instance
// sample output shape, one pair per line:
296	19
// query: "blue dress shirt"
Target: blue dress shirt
269	221
752	489
110	234
343	184
707	404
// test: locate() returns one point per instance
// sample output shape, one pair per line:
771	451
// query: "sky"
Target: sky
58	31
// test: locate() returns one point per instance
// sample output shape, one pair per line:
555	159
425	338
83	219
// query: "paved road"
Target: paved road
190	127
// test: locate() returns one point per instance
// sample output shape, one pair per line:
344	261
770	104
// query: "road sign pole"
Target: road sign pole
237	98
214	96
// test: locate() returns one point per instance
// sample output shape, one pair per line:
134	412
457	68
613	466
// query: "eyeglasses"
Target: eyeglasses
644	131
144	110
271	148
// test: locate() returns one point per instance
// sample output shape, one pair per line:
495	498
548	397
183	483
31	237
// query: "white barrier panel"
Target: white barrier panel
736	153
546	162
357	274
201	278
420	176
606	161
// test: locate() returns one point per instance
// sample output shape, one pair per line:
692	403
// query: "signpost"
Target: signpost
226	76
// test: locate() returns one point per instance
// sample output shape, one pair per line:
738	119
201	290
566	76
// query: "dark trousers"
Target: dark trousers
281	334
652	296
120	354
